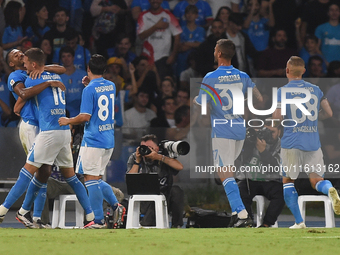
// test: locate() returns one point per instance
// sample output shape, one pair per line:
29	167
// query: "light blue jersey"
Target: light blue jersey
50	102
28	112
305	135
222	79
98	100
74	89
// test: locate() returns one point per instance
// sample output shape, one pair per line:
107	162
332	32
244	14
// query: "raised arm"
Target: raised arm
326	110
26	93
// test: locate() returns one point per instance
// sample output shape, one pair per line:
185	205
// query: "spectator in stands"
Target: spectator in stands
139	6
167	119
123	95
223	15
38	27
81	55
13	35
75	10
57	34
110	18
191	72
314	67
272	61
257	26
309	48
166	168
191	37
72	79
216	5
333	94
204	18
2	19
46	47
205	52
167	90
147	76
139	116
115	67
7	116
285	13
182	124
265	152
244	47
122	49
329	34
157	27
182	97
314	14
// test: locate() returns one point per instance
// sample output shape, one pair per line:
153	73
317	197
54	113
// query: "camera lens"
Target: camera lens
144	150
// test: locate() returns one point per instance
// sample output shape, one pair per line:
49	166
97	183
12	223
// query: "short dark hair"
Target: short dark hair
236	18
71	34
165	99
142	90
311	37
61	9
191	8
66	49
139	59
97	64
181	112
315	57
36	55
227	48
184	90
149	137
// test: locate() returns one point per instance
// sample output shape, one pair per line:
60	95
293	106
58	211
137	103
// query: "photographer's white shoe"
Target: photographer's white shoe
298	226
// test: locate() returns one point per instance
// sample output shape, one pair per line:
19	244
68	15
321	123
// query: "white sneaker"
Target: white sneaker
298	226
2	217
333	195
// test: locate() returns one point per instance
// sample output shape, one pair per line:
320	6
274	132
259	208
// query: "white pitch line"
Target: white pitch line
321	237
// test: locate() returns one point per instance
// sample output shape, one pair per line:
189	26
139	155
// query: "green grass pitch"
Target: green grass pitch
170	241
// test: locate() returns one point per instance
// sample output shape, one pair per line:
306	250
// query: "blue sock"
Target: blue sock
108	194
291	198
233	194
323	186
81	193
96	199
19	188
31	194
39	201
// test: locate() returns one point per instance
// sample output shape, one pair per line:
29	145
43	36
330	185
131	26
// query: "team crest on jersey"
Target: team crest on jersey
12	82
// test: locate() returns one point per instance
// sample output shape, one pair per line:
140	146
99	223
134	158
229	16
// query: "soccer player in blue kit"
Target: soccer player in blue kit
227	139
300	144
28	127
97	112
52	144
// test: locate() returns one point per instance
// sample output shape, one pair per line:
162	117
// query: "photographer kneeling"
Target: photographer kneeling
150	161
260	171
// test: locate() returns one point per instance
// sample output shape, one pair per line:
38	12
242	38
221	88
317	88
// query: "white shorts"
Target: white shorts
294	161
93	161
50	147
27	134
226	151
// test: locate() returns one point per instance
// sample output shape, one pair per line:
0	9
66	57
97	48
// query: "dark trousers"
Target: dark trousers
175	201
272	190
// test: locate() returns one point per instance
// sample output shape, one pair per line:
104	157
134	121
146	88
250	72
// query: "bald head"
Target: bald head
295	67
